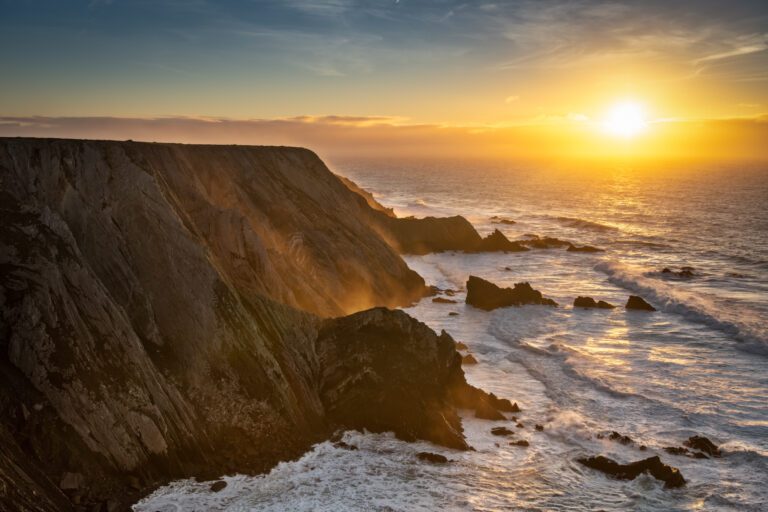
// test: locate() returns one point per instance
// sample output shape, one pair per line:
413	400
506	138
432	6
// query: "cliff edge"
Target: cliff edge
162	314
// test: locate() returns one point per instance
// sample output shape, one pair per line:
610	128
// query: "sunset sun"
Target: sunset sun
626	119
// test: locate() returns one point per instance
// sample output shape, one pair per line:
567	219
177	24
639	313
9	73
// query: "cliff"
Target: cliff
161	313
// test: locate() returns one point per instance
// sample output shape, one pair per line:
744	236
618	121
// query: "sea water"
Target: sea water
697	366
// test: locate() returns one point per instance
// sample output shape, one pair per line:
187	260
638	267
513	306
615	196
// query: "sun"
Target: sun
626	119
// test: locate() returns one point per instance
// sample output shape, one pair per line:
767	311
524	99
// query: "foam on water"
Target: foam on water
697	366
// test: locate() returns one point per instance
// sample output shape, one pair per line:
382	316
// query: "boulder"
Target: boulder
434	458
501	431
522	443
703	444
589	302
671	477
468	359
638	303
443	300
486	295
539	428
218	486
453	313
461	346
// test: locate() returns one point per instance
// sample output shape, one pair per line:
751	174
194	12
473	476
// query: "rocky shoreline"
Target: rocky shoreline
172	311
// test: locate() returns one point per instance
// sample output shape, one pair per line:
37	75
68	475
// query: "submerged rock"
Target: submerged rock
486	295
703	444
671	477
539	428
683	273
589	302
583	248
443	300
453	313
522	443
546	242
434	458
502	220
344	446
501	431
638	303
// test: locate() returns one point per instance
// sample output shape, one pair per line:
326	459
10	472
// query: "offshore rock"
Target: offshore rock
486	295
670	476
638	303
589	302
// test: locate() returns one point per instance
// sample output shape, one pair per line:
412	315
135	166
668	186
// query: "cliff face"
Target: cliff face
159	311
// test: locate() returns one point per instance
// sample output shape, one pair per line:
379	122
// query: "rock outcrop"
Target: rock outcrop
160	318
431	234
486	295
638	303
589	302
671	477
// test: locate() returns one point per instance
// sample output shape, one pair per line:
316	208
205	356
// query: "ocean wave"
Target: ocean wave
575	222
742	325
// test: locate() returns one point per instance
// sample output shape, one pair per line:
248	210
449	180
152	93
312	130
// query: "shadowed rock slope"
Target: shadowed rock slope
159	319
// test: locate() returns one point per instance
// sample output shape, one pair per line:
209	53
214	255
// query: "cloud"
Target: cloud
511	99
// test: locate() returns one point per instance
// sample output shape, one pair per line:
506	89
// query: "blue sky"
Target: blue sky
403	62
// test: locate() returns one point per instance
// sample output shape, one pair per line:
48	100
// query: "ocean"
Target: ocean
697	366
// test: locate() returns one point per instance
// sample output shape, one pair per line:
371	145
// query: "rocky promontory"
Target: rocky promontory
163	315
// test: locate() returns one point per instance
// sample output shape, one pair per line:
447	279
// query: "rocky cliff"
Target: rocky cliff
161	313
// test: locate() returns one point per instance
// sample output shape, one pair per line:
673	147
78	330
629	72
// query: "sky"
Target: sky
400	71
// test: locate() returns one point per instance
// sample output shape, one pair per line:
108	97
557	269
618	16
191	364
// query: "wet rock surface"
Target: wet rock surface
638	303
486	295
589	302
671	477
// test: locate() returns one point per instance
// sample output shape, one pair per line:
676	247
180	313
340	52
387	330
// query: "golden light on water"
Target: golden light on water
626	119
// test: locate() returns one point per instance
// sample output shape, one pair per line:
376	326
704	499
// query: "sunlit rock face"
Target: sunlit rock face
158	309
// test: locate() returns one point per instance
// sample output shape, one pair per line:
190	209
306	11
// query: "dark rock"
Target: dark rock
485	411
461	346
218	485
544	243
703	444
619	438
385	371
671	477
497	242
540	428
443	300
683	273
485	405
508	269
522	442
501	220
468	359
501	431
638	303
435	458
642	448
589	302
453	313
344	446
486	295
583	248
430	234
502	404
676	450
519	425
